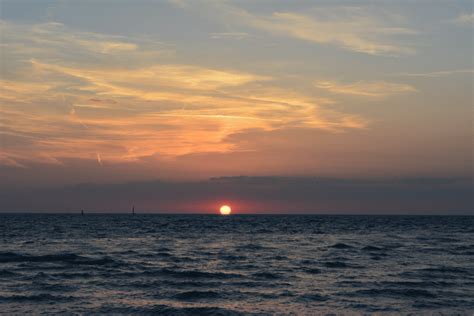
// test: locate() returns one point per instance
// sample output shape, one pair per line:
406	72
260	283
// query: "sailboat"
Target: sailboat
133	210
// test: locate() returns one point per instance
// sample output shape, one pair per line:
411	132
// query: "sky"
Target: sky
270	106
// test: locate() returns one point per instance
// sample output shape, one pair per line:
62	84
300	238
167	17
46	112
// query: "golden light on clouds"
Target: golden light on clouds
75	91
75	110
366	89
184	102
351	27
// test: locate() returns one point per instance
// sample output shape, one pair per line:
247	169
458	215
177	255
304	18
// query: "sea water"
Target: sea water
239	264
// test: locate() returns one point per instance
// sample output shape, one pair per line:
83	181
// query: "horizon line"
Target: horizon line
235	214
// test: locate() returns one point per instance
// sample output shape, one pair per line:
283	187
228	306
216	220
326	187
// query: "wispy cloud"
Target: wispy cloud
20	91
438	73
178	3
464	19
80	97
364	88
99	159
351	28
55	41
230	35
180	76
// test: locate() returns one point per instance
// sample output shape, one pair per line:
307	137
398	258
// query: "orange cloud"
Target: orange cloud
364	88
117	112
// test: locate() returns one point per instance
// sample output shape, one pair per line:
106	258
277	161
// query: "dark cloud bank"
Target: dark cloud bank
254	195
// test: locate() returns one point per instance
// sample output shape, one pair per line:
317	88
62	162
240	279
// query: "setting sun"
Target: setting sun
225	210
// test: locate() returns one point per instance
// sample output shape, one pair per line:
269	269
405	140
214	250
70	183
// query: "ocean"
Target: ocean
236	265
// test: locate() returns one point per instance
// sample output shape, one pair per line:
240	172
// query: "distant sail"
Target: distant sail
133	210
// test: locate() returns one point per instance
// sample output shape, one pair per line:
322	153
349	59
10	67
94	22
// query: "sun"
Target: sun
225	210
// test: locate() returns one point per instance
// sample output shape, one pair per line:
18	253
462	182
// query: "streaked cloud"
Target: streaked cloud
179	76
230	35
99	159
351	28
364	88
102	92
54	41
466	19
439	73
76	104
19	91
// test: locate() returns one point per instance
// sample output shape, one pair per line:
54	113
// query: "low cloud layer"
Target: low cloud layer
255	195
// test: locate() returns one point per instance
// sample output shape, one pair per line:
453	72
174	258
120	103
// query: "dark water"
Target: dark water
193	265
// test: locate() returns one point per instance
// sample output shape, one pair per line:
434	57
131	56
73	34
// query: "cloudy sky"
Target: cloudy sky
369	101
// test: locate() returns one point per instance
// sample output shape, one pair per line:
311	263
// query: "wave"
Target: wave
5	273
389	310
166	310
250	247
341	246
69	258
36	298
196	295
220	270
464	250
175	284
371	248
257	283
335	264
155	254
264	231
74	275
412	293
447	239
313	298
465	247
163	249
56	287
191	274
229	257
40	276
421	284
266	275
445	270
305	262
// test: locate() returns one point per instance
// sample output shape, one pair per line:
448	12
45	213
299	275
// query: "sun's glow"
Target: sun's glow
225	210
